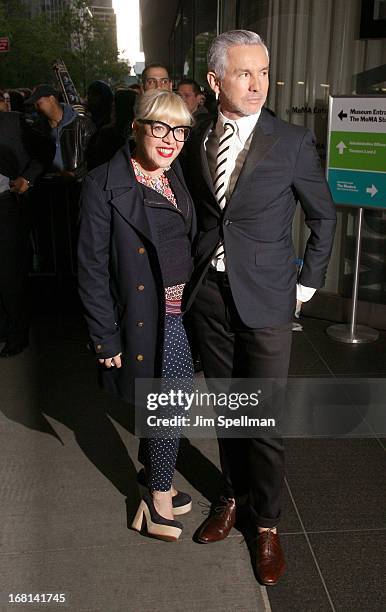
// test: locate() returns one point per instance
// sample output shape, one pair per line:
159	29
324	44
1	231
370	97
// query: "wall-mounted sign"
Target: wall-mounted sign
356	162
4	44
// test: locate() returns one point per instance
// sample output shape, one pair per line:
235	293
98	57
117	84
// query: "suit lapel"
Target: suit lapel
263	140
203	160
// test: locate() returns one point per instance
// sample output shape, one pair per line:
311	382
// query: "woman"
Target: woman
135	256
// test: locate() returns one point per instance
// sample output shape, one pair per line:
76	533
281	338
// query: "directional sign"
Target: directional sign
356	163
4	44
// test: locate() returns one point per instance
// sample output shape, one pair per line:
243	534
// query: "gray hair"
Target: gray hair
217	54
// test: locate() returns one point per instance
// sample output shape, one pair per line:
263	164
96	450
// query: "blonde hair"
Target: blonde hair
162	105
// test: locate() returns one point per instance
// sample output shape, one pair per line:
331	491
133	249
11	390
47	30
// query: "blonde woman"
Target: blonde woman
135	257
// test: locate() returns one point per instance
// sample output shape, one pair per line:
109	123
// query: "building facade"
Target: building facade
317	48
101	10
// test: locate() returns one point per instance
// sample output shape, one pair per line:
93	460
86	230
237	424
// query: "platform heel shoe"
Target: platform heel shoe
156	525
182	502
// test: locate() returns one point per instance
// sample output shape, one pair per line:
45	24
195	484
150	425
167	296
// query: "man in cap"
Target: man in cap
67	132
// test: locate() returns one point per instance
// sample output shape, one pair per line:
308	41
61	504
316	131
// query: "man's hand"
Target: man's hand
112	361
19	185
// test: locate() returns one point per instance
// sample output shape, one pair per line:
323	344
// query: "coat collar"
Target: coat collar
120	172
126	196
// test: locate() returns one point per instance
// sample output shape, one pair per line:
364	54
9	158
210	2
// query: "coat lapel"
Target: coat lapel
125	197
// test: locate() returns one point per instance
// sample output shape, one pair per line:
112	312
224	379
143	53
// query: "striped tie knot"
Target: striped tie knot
229	126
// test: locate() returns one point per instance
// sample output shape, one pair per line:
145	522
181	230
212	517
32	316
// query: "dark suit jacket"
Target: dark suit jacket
120	280
282	166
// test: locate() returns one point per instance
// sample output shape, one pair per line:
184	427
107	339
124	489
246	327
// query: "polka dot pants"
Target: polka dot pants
159	454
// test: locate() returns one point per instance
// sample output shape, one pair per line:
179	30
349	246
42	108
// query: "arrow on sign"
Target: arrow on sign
341	146
342	114
373	190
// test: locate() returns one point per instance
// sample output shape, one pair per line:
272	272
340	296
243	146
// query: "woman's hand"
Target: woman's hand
112	361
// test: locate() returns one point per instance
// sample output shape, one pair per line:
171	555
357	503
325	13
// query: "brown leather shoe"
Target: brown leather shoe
219	523
270	558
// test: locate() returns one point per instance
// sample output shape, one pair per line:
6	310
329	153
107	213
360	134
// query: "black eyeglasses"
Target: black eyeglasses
159	129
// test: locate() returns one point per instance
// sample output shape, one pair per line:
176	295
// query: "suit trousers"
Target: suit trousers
228	350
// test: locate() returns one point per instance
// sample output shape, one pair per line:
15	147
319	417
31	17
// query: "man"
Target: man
156	76
66	135
190	92
67	132
19	168
245	171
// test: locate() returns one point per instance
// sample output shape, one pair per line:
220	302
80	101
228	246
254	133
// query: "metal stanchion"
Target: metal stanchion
354	334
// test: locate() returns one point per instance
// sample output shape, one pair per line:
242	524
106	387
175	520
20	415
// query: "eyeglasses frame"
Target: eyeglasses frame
170	129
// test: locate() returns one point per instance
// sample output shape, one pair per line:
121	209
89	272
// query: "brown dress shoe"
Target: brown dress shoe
219	523
270	558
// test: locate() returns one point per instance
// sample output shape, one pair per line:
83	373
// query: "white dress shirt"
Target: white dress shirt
238	149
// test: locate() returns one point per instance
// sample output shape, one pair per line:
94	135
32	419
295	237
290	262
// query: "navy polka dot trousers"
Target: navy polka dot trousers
159	454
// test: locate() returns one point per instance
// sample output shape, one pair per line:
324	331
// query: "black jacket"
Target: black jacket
120	280
281	167
75	135
19	148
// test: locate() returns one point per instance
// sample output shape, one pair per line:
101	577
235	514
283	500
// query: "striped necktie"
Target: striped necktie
219	183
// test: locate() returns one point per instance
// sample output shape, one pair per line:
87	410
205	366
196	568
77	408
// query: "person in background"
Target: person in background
156	76
5	105
17	101
19	168
137	225
99	105
113	136
55	198
136	87
190	92
66	132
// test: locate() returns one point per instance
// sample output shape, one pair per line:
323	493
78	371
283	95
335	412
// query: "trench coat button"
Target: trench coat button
98	348
139	357
139	323
141	250
140	287
227	222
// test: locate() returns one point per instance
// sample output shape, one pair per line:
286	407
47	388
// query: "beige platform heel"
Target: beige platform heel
156	525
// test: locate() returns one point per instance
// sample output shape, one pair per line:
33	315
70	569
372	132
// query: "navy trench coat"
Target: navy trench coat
120	280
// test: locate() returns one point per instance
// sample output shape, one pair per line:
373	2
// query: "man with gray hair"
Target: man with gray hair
246	170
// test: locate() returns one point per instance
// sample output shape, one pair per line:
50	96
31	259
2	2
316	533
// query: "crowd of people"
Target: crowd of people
202	242
61	146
